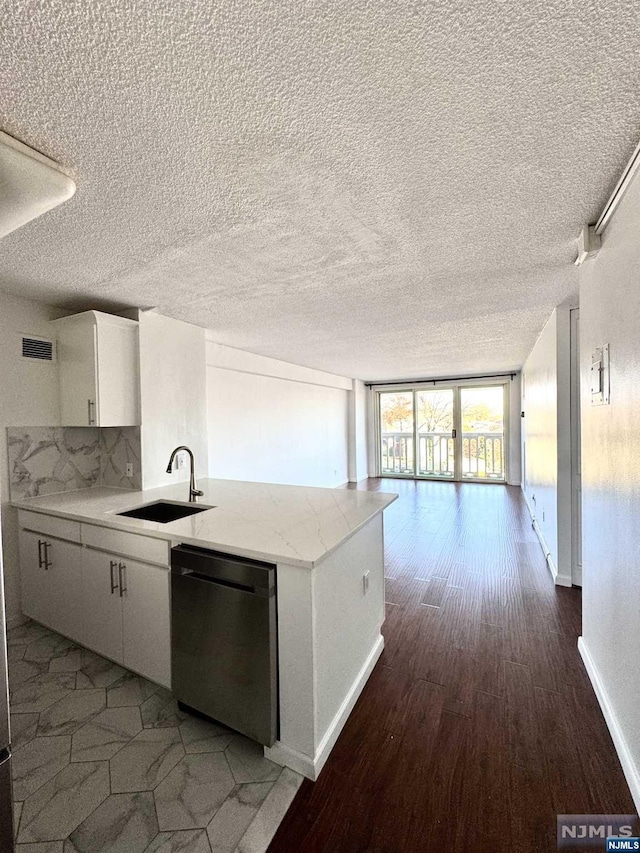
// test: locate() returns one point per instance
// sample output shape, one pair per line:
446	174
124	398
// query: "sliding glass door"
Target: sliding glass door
435	433
443	433
396	433
483	456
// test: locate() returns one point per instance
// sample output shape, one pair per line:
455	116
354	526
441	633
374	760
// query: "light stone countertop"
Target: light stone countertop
298	525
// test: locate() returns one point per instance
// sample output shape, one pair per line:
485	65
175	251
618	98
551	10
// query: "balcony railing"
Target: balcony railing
397	453
483	456
436	454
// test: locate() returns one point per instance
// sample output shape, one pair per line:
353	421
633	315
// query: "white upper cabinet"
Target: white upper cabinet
99	366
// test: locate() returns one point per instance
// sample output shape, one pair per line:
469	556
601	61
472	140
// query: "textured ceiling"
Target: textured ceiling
377	189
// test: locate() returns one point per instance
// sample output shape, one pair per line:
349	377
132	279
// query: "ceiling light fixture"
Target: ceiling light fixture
30	184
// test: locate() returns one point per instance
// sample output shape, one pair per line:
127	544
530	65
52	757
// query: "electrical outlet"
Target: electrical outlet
182	459
365	583
128	469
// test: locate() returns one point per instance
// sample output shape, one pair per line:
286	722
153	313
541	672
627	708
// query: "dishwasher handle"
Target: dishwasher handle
187	575
210	566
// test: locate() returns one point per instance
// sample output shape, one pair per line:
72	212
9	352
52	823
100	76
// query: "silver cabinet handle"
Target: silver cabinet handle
121	574
47	561
114	583
40	558
91	407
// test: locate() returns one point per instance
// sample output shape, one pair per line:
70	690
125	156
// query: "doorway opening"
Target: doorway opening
576	455
458	432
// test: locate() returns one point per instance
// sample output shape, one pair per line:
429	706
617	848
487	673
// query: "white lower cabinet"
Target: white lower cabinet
51	582
126	613
65	580
102	604
113	605
32	574
146	623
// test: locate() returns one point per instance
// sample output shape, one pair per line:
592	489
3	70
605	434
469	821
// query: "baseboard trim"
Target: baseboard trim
631	772
280	753
558	579
289	757
337	724
16	620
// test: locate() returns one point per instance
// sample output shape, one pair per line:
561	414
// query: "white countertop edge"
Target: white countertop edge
109	521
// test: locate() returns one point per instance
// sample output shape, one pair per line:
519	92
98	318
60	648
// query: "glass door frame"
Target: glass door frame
456	386
378	434
455	431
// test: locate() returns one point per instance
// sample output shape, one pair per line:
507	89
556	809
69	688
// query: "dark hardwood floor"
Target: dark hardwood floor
478	725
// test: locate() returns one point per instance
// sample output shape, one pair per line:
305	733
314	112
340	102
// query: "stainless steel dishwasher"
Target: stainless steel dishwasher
224	659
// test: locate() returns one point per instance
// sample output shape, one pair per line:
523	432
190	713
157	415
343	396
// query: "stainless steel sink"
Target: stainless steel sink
164	511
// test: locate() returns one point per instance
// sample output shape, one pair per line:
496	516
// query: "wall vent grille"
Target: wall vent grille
37	349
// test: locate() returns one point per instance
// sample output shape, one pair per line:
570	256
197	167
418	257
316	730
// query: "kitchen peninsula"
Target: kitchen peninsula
327	545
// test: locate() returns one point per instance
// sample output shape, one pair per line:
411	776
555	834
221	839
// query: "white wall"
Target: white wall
28	396
540	434
173	396
514	460
565	539
273	422
610	313
358	438
546	441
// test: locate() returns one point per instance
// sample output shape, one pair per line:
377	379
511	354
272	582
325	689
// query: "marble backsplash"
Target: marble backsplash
118	446
46	460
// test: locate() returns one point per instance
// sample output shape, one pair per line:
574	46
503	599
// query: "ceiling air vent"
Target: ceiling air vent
37	349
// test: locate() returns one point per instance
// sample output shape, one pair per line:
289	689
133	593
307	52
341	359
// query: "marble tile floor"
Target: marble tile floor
104	760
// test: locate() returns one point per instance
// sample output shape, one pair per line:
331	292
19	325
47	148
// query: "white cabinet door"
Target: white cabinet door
101	604
115	606
118	373
50	570
77	364
62	608
146	620
98	362
32	574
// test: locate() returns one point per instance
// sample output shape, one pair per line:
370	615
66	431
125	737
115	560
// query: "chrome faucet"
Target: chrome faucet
194	492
